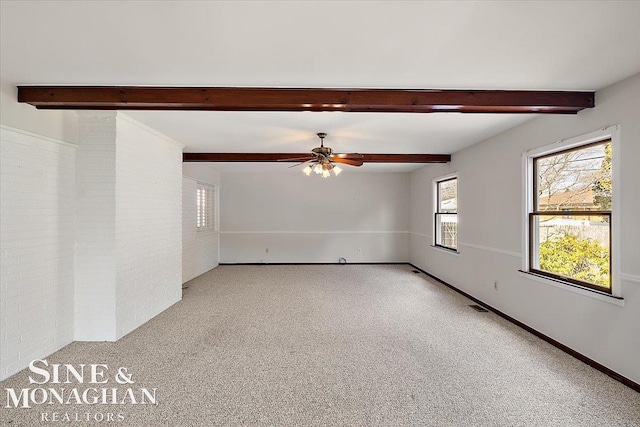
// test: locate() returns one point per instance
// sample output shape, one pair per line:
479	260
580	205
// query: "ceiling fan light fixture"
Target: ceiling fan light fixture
321	160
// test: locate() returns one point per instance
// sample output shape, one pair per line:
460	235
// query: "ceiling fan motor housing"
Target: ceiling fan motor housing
325	151
322	150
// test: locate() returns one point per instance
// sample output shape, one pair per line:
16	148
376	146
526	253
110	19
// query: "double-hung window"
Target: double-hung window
446	213
570	216
205	207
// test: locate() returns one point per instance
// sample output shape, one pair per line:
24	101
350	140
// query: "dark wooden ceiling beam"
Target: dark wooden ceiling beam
407	158
286	157
301	99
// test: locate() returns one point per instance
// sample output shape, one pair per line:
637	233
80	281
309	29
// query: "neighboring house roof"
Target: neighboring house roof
569	198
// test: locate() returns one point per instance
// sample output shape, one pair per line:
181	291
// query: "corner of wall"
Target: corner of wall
61	125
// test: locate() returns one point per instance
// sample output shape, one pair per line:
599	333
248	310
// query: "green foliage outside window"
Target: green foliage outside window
602	186
581	259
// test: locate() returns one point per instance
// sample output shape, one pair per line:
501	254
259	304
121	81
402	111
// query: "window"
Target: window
446	213
205	207
570	215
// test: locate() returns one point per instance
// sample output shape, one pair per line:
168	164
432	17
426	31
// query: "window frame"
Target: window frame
436	211
210	208
611	133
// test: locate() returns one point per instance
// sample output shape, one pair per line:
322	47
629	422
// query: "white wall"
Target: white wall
37	172
148	214
490	234
129	225
362	217
37	200
200	250
57	124
109	197
95	256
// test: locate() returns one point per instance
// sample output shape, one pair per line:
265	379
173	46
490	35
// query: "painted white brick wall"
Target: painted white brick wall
148	224
37	202
199	249
129	250
95	284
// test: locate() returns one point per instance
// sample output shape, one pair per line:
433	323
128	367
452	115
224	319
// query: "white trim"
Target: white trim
216	211
616	178
150	130
200	181
445	177
312	232
610	132
490	249
471	245
207	232
434	206
215	227
527	204
6	128
629	277
426	236
218	232
576	141
582	291
445	250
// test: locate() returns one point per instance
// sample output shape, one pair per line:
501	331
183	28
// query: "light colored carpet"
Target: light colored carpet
352	345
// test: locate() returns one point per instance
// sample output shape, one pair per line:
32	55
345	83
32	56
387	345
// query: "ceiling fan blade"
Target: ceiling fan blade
306	158
301	163
350	156
347	161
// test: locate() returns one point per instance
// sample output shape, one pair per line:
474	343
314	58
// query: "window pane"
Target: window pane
575	180
199	208
448	196
205	207
573	246
447	230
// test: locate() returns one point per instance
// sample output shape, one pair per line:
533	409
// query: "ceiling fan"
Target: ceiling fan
322	160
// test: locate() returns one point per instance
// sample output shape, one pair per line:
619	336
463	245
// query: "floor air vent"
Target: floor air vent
476	307
415	271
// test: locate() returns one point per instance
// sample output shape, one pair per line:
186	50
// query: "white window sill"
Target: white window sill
575	289
445	250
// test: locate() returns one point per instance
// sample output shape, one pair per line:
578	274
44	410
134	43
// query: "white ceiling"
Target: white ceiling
476	45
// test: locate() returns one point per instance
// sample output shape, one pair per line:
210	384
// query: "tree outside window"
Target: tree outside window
570	225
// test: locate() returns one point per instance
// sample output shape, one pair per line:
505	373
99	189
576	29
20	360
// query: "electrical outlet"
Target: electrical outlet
266	251
495	285
359	250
